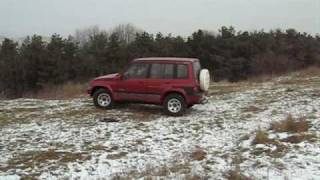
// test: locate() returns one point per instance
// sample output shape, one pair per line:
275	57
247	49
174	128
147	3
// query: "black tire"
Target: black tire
103	99
174	110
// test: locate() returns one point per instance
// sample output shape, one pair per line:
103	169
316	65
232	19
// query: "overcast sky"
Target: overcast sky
45	17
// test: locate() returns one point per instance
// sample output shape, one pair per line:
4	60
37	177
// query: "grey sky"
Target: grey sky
44	17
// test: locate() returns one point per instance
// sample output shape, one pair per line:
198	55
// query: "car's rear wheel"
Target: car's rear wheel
174	105
102	99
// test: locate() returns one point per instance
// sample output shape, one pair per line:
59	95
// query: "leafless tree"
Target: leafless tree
126	32
82	36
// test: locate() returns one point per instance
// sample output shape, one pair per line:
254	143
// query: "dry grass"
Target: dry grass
117	155
151	172
148	173
300	137
261	138
251	109
291	124
68	90
198	154
236	175
309	72
261	78
98	147
220	88
38	158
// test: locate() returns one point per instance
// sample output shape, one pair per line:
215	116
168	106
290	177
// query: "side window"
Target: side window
137	71
168	72
182	71
162	71
156	71
196	70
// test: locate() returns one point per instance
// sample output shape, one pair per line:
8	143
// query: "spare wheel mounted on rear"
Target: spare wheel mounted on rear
204	79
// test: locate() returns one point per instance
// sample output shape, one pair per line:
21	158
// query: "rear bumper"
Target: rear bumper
204	100
196	98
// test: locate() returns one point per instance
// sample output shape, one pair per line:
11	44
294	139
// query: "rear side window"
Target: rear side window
162	71
182	71
137	71
196	70
168	72
156	71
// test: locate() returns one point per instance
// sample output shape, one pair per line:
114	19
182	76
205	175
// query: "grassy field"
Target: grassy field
247	130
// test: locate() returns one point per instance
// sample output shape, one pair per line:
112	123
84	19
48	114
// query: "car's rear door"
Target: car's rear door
160	78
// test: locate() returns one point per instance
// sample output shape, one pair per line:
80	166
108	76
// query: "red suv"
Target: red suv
175	83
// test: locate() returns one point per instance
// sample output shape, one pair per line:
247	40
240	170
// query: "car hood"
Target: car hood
107	77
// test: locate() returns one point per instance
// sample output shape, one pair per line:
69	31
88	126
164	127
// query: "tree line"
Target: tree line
228	54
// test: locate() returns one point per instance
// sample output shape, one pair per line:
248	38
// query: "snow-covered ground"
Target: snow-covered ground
54	139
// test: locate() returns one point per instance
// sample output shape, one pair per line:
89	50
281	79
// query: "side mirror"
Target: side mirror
123	76
119	76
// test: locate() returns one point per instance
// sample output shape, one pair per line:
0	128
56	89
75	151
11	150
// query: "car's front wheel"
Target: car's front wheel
102	99
174	105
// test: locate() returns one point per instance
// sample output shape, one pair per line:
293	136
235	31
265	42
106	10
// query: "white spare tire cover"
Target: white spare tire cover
204	79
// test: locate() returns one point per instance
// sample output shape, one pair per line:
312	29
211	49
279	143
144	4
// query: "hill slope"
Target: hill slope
66	138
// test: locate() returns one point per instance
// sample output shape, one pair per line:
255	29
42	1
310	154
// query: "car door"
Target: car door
160	78
132	86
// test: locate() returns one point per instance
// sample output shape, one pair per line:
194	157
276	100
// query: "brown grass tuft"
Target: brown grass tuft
300	137
46	155
198	154
251	109
261	138
291	125
235	175
117	156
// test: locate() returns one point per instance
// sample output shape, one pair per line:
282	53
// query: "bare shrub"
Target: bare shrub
291	125
261	138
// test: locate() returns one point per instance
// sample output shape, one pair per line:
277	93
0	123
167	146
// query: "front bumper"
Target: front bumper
89	91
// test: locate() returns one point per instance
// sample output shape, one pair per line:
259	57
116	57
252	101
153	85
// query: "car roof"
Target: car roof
166	59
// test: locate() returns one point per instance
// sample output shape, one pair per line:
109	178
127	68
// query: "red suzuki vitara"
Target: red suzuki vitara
174	83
